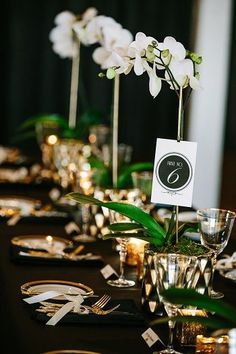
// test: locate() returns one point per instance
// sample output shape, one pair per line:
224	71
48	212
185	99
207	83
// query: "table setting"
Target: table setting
111	256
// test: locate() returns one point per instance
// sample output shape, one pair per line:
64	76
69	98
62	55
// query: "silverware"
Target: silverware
97	308
47	254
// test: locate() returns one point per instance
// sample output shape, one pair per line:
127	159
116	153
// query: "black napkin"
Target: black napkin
17	257
127	314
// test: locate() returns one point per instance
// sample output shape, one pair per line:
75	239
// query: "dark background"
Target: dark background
37	81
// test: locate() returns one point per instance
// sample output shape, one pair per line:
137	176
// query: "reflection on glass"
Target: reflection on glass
173	270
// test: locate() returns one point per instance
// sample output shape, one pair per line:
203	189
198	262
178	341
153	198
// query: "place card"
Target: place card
108	271
173	174
151	337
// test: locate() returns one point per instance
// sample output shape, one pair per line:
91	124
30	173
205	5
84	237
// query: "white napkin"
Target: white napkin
74	303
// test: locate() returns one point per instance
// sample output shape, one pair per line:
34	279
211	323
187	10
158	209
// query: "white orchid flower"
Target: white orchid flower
66	49
90	13
80	26
183	73
65	18
113	53
176	49
137	50
155	83
94	29
113	59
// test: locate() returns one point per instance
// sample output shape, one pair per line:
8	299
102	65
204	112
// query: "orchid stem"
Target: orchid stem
179	138
115	131
74	89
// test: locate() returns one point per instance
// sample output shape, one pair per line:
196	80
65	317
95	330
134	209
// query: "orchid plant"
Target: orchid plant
114	41
66	37
166	61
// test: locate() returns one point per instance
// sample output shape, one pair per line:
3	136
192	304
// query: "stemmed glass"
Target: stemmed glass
215	226
83	184
173	271
132	196
121	282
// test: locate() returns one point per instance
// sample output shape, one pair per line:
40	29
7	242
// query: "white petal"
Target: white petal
100	55
89	14
138	66
65	17
194	83
154	83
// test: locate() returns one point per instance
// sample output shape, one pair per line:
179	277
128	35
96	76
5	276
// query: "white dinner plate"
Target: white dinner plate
23	204
42	242
62	286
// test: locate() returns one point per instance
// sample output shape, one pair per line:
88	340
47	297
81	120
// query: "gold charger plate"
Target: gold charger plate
63	286
41	242
17	203
70	351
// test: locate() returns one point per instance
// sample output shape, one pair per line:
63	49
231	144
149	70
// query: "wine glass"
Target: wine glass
215	226
132	196
83	183
143	181
121	282
173	271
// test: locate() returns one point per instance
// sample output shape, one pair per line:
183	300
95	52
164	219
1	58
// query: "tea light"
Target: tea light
51	139
187	332
135	255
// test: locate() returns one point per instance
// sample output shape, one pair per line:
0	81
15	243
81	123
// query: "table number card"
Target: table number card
173	174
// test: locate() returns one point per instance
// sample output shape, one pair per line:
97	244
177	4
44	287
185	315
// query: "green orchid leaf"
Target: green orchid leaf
124	178
139	235
211	322
128	210
189	297
124	226
47	118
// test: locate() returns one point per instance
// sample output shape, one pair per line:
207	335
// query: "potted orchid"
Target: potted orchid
167	62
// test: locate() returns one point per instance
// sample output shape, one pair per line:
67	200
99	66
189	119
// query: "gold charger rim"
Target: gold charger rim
17	239
25	288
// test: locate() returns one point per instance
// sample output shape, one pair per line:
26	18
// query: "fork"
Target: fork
98	305
100	311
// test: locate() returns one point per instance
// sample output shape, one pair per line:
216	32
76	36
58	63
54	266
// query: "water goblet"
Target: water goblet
215	226
173	271
121	282
125	196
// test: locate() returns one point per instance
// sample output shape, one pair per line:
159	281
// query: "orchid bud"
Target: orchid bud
150	48
196	58
154	44
197	75
165	53
150	57
111	73
101	75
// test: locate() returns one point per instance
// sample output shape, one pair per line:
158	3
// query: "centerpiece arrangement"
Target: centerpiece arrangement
178	69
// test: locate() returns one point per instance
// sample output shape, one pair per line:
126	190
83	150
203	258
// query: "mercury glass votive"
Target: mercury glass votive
135	255
188	331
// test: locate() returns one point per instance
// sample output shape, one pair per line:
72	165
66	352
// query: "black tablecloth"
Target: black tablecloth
23	333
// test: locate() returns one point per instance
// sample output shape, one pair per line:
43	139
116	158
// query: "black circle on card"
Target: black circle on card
174	171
